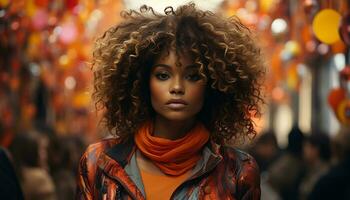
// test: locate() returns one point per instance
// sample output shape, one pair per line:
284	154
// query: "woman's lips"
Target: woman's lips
176	104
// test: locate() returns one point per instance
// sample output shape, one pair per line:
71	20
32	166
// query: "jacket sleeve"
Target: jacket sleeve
248	181
84	190
87	169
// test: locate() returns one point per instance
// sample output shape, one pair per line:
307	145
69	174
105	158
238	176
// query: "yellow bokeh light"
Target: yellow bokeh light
325	26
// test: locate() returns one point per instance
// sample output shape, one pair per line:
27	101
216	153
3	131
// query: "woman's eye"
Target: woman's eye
193	77
162	76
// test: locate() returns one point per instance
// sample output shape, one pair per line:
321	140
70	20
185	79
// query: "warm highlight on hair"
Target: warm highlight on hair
223	49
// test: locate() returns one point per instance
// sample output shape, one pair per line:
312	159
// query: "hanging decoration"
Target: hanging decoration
343	112
325	26
338	98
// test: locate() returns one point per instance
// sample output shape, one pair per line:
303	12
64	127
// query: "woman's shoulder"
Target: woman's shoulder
246	169
88	162
239	156
94	150
241	171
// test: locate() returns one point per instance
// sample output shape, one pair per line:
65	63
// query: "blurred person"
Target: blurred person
77	147
64	154
316	155
265	150
10	188
284	175
335	183
28	152
175	89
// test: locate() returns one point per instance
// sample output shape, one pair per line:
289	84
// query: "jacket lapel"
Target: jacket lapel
211	157
122	152
113	163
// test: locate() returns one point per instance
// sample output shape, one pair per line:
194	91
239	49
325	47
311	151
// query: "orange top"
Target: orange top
161	187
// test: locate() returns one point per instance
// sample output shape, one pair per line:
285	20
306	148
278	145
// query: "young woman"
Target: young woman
175	89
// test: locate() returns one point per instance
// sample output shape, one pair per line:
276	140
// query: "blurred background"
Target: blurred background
47	117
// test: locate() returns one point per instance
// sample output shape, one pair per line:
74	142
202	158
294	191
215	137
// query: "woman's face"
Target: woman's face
176	88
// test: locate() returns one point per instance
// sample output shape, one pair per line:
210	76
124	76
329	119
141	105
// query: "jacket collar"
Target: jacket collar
211	157
122	152
113	162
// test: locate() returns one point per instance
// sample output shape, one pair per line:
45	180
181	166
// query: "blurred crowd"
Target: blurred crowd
42	165
39	164
312	166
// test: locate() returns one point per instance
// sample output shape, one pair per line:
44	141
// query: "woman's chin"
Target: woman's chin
177	117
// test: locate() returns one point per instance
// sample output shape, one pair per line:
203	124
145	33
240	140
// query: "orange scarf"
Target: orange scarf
172	157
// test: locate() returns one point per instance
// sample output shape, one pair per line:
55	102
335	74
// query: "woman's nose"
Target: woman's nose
177	87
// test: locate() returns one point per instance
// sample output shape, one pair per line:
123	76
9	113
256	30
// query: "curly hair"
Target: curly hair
223	48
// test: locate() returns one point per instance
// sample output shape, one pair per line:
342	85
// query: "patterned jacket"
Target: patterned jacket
108	170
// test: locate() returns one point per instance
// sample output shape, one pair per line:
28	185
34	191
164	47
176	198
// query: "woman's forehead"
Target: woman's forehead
179	58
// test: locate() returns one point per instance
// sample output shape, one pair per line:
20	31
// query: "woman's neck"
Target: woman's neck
171	130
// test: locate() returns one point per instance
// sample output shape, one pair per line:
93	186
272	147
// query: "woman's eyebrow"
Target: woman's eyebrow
161	65
168	66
